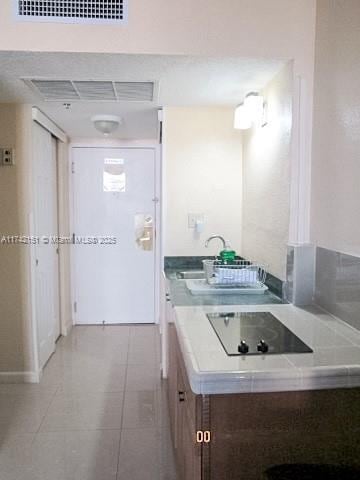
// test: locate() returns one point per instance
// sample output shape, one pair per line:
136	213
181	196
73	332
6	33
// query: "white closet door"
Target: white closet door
46	226
114	190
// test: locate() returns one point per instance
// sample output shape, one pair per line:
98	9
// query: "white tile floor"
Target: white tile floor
99	413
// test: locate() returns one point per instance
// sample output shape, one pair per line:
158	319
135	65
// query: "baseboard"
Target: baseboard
19	377
66	329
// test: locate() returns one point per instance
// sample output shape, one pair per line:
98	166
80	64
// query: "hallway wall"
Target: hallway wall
16	353
17	339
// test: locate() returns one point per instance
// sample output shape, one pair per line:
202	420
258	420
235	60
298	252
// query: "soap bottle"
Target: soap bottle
228	254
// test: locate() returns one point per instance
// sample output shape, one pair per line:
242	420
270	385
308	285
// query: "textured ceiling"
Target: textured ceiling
182	80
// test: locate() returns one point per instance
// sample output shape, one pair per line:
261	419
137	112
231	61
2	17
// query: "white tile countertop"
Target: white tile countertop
334	363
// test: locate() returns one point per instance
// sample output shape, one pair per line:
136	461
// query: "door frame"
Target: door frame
38	117
132	145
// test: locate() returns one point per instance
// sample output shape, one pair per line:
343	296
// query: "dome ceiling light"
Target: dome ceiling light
106	124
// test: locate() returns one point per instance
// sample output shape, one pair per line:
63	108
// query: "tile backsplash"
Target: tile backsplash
337	285
300	274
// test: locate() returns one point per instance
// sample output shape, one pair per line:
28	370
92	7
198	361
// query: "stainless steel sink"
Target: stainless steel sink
191	274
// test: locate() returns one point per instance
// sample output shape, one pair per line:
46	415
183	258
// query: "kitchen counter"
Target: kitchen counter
181	296
335	362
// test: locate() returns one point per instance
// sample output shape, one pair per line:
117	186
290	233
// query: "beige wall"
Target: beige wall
18	361
282	29
184	27
266	179
202	174
16	353
335	215
10	299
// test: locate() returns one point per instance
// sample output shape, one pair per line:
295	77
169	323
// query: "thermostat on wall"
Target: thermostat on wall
7	156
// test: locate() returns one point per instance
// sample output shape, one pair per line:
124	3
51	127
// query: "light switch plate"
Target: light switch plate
193	218
7	156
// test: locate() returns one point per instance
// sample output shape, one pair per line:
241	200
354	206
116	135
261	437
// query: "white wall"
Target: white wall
202	174
335	215
266	179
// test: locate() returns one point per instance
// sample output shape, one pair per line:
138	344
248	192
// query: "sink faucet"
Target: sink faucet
216	236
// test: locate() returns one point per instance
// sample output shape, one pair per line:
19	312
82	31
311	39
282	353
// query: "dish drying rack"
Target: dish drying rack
240	273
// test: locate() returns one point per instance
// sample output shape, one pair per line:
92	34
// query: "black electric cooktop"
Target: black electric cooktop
255	333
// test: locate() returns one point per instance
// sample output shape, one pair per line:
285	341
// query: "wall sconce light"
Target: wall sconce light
250	112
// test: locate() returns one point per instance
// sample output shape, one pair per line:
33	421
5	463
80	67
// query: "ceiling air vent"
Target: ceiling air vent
56	90
72	11
95	90
135	91
92	90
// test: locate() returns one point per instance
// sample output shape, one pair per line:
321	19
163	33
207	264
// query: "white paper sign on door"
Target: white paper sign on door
114	177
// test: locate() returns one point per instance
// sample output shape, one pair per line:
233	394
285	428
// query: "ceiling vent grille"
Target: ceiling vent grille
72	11
92	90
56	90
95	90
135	91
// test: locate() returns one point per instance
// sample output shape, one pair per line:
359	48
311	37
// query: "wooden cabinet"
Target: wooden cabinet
255	431
184	418
173	388
252	432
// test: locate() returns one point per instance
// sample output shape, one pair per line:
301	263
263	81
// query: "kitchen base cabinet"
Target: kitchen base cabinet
254	431
251	432
184	409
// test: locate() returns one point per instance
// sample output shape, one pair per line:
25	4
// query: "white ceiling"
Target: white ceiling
182	81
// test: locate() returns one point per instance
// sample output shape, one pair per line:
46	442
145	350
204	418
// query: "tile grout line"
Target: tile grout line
46	412
123	404
124	391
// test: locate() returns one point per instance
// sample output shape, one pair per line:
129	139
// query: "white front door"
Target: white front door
114	226
46	226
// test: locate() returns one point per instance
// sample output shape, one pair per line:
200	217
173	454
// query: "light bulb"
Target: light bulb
254	104
242	120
